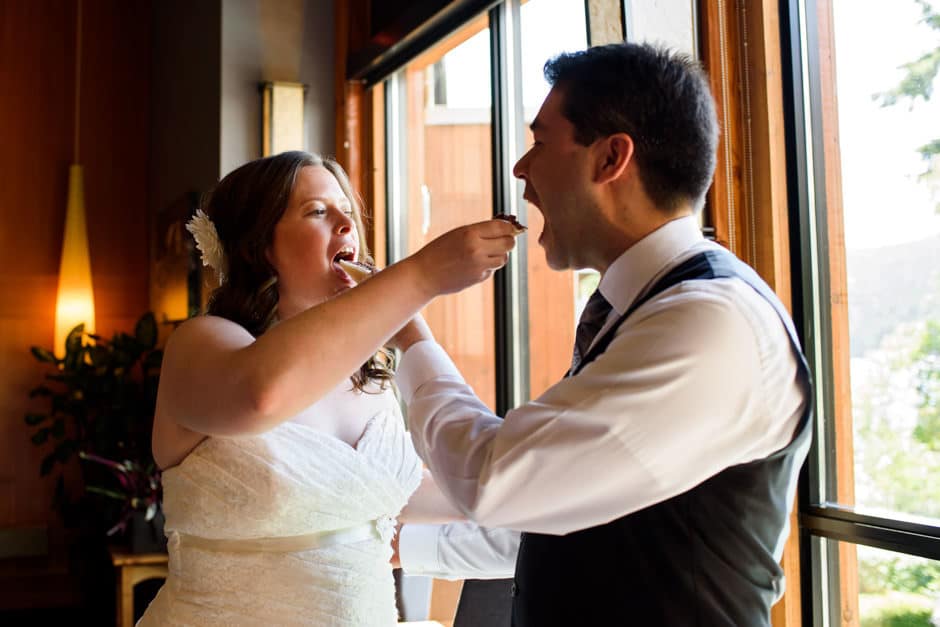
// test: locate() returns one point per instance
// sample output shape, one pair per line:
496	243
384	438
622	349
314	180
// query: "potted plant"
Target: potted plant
100	400
140	494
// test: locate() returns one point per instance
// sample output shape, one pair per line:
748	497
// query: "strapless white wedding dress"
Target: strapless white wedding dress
290	527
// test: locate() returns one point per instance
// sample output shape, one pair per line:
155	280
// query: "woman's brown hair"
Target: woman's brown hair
245	207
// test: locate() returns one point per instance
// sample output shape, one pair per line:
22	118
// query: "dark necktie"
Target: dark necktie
592	319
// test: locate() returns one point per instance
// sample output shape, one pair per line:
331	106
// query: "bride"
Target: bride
284	453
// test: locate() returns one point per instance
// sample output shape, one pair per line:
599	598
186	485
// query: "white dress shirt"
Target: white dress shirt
699	378
460	550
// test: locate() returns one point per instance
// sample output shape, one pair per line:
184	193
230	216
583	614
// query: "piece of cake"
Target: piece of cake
511	219
357	270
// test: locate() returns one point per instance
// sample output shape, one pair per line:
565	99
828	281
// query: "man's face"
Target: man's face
557	176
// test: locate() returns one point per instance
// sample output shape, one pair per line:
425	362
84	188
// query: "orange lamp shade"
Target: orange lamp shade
75	303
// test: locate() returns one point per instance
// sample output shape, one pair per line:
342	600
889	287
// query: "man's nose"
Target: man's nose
520	169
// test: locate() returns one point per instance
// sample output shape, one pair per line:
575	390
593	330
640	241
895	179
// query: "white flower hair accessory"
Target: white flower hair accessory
208	243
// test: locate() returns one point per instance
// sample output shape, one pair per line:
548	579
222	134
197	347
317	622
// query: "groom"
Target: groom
653	482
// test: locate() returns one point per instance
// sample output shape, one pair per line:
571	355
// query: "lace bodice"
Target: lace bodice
291	481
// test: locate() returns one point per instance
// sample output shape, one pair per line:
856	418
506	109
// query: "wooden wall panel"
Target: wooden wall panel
37	39
551	312
352	25
719	39
36	43
115	139
460	184
747	204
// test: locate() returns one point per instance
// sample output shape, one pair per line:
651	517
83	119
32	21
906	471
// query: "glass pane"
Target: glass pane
670	23
667	22
444	172
549	27
883	129
887	589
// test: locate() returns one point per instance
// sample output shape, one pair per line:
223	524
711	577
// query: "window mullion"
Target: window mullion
396	164
820	575
510	283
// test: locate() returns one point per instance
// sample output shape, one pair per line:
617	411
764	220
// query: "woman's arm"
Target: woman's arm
217	380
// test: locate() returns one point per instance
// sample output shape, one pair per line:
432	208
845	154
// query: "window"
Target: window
864	131
555	299
891	588
438	115
449	163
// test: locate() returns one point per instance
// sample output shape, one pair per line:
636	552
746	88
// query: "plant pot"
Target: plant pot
146	536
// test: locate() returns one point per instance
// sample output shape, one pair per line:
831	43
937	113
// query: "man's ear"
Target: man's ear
615	152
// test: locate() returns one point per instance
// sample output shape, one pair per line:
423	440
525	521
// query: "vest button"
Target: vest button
514	590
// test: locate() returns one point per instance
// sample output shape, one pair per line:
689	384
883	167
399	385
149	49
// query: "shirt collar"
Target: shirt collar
632	272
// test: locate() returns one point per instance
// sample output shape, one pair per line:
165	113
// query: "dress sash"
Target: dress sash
382	528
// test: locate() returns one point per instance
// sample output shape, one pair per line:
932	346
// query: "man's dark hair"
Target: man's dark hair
659	98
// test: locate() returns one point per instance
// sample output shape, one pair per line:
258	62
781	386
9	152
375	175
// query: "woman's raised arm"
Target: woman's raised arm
218	380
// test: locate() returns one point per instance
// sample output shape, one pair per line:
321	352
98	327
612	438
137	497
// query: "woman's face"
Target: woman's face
316	230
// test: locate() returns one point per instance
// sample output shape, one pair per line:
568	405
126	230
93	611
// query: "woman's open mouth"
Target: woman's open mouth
346	253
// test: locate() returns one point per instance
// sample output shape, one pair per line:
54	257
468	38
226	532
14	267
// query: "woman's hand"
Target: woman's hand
464	256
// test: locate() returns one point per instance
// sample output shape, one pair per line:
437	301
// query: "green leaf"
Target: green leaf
73	360
64	450
929	150
58	403
153	360
47	463
34	419
106	492
99	355
40	391
146	330
43	355
73	342
40	436
58	428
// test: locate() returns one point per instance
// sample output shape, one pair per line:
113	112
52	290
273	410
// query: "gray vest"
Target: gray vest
702	558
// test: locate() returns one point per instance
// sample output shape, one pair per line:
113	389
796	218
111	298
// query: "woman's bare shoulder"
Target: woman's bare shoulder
206	331
207	323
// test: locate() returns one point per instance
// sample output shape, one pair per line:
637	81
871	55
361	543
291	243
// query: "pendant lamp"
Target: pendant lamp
75	303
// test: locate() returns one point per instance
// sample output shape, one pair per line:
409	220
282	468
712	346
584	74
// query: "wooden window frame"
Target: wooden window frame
747	206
